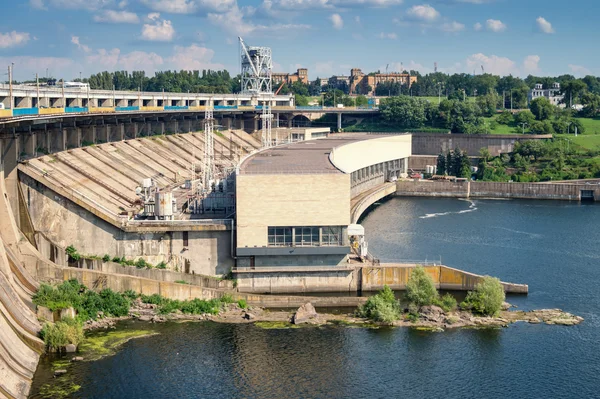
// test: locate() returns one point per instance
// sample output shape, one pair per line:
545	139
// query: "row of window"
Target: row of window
305	236
378	169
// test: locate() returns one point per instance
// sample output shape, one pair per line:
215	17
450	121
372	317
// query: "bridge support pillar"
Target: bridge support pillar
73	137
189	126
9	158
162	128
30	147
89	135
105	134
256	124
339	121
290	123
121	128
60	140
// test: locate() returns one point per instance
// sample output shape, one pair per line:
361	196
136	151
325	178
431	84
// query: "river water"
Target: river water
552	246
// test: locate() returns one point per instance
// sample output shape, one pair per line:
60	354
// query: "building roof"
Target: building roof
305	157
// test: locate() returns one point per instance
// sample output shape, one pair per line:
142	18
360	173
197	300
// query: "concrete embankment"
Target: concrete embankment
445	278
468	189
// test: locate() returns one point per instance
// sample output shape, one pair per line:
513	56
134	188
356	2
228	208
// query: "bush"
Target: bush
141	263
447	302
420	289
131	295
242	304
161	265
382	307
181	282
153	299
193	306
116	259
106	258
72	254
58	335
487	298
227	298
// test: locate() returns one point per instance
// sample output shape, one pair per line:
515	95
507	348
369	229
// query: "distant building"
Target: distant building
289	78
366	84
553	94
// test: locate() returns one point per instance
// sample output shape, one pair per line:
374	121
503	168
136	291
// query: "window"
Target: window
185	239
306	236
280	236
331	236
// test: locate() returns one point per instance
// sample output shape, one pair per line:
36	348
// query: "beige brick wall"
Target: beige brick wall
289	200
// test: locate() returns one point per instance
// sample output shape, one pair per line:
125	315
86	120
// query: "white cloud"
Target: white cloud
37	4
193	57
423	12
531	64
107	59
544	26
140	60
75	40
492	64
296	5
189	6
26	66
579	70
233	22
91	5
337	21
478	27
452	27
390	35
123	4
117	17
495	25
12	39
159	31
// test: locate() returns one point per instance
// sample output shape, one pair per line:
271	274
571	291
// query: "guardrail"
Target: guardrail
21	112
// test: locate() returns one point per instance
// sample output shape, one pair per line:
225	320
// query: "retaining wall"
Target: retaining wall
466	189
445	278
434	143
153	274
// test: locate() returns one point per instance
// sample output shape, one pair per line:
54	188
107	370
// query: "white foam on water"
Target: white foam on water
472	208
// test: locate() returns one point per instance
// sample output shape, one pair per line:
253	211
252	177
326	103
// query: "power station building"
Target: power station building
294	202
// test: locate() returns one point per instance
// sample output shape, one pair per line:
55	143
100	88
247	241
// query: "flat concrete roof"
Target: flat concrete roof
304	157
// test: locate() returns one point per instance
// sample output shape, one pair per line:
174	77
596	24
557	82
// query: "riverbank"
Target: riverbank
429	318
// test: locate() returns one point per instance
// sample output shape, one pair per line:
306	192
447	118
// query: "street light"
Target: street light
524	124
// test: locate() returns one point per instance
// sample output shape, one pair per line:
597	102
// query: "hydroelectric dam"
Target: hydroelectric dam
276	215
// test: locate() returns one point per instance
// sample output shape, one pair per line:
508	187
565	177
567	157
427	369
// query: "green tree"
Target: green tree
591	104
441	164
505	118
488	103
420	288
403	111
572	90
542	108
361	101
487	298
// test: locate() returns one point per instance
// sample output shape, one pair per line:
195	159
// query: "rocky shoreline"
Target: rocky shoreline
430	317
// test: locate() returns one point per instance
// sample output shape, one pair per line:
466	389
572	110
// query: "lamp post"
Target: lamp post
524	124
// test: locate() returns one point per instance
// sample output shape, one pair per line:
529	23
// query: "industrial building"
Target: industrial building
294	201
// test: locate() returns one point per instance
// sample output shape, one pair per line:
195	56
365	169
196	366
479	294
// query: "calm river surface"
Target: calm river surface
552	246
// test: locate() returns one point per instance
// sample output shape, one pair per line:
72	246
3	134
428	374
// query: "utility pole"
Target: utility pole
37	85
64	100
10	84
511	103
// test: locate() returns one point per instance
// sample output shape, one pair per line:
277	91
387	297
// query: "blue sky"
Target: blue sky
519	37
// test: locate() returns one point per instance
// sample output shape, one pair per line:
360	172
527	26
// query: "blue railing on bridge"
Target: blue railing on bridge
309	107
76	109
127	108
176	107
217	107
25	111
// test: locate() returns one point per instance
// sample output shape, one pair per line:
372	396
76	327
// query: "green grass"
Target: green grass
585	141
591	125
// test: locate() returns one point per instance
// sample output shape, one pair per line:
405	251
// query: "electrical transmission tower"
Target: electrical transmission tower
267	117
209	148
256	67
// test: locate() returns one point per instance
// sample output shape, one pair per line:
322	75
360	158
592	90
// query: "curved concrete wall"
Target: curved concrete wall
20	347
354	156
